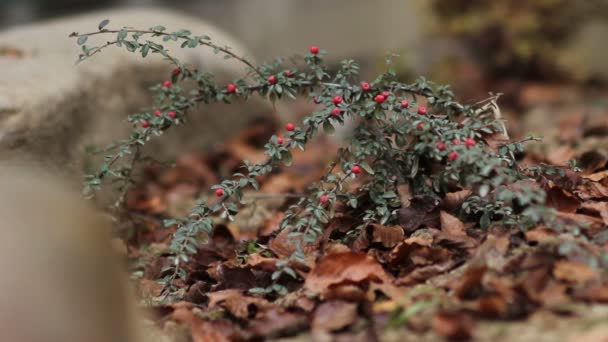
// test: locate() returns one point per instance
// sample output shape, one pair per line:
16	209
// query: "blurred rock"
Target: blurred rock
51	108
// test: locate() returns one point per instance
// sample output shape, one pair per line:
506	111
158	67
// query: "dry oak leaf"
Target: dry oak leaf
598	176
204	331
540	234
573	272
560	200
277	322
453	230
388	236
453	325
598	208
236	303
334	315
592	190
284	245
340	268
453	200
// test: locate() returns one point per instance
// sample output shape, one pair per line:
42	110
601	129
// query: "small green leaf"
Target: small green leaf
367	168
328	128
103	24
82	39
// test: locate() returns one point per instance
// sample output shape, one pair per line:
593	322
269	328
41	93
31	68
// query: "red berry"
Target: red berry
405	104
288	73
420	126
172	115
456	142
314	50
145	124
177	71
453	155
167	84
272	80
324	199
290	127
470	142
219	192
356	169
386	94
422	110
440	146
280	140
380	98
335	111
315	100
365	86
337	100
231	88
157	112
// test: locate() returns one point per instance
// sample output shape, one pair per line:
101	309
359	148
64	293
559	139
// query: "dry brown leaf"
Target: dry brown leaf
241	306
561	201
491	306
593	225
405	194
334	315
284	245
277	322
592	191
422	274
388	236
260	262
420	212
470	282
539	234
349	267
560	155
596	293
598	176
453	232
204	331
598	208
453	200
573	272
451	224
453	325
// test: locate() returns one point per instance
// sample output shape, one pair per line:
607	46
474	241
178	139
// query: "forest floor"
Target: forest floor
434	277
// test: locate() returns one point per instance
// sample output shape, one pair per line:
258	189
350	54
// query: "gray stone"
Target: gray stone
51	107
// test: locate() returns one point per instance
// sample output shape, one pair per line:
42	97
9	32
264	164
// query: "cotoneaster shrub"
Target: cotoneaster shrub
408	135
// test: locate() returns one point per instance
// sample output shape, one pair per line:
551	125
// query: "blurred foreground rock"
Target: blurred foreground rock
52	108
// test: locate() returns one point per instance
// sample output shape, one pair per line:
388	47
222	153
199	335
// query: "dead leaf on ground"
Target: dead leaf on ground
420	212
453	325
388	236
561	201
235	302
598	208
590	190
284	245
334	315
349	267
205	331
277	322
453	231
539	234
405	194
598	176
453	200
469	285
573	272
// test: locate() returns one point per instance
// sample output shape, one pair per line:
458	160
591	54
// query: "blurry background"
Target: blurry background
541	40
546	56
